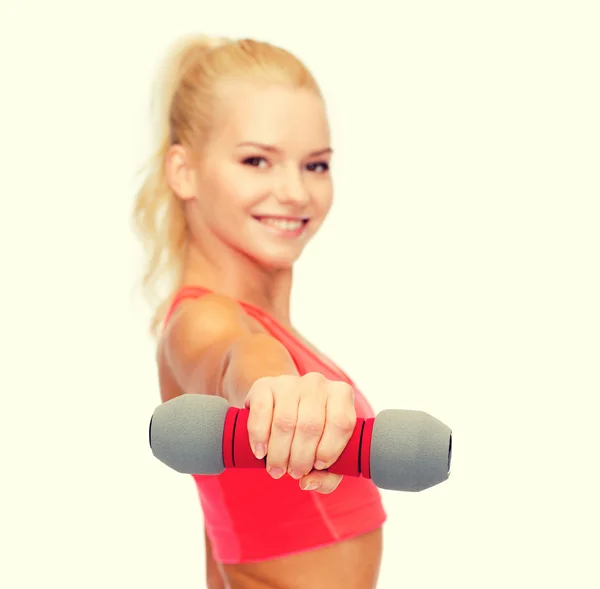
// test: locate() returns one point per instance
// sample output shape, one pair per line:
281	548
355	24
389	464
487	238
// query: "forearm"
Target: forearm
249	359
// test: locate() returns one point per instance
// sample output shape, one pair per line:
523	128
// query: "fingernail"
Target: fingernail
260	451
295	474
319	465
310	486
276	473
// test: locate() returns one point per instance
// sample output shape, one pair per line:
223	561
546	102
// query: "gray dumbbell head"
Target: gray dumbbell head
186	433
410	450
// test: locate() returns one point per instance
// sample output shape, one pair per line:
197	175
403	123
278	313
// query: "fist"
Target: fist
301	424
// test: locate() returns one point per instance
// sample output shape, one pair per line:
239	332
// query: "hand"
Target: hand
302	424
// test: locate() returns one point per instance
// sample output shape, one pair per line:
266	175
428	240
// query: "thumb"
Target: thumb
320	481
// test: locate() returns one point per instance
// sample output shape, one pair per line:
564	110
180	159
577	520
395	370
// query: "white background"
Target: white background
457	274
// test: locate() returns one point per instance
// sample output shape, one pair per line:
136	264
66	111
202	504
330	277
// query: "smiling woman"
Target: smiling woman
239	184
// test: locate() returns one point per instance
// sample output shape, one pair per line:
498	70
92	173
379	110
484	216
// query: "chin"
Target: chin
276	262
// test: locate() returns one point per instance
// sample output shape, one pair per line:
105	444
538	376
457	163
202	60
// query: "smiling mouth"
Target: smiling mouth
284	225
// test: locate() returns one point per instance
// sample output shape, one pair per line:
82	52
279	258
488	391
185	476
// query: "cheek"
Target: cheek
238	189
323	198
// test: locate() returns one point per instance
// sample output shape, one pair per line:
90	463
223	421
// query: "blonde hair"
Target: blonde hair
186	92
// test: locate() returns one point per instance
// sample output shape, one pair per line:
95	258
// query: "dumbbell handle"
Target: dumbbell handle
353	461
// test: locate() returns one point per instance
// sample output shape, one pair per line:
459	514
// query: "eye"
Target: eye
319	167
257	162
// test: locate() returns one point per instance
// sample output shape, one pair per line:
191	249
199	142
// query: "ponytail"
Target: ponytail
158	213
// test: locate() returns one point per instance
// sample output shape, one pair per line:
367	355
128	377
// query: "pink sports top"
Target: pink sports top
252	517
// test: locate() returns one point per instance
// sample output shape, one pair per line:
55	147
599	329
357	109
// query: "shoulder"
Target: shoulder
207	309
193	347
202	322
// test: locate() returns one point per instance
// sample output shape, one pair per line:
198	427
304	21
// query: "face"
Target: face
263	185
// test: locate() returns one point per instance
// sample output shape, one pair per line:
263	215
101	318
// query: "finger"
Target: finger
260	402
309	425
321	482
340	420
285	414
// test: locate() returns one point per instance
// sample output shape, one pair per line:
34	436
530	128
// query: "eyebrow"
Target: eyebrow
274	149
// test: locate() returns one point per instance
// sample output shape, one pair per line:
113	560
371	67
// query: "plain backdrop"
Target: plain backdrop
458	274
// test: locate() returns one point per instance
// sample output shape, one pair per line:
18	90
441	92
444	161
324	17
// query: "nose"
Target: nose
293	191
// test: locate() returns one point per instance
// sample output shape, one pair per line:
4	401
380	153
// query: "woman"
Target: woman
239	184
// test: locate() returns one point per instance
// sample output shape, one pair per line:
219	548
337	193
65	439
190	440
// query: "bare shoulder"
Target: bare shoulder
195	340
201	321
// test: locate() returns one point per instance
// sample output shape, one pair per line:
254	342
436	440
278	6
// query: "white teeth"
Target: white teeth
282	224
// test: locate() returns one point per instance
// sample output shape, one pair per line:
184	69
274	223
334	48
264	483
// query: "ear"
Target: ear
180	173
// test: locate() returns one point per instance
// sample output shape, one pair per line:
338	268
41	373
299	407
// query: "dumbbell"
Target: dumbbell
399	449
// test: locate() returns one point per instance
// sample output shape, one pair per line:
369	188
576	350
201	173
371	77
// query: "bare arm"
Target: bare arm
210	348
297	422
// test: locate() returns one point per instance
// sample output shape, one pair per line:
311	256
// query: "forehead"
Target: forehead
290	118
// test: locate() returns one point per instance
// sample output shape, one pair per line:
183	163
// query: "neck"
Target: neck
235	275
